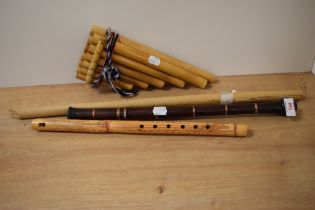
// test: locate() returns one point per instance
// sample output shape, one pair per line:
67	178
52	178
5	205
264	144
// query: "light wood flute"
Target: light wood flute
141	127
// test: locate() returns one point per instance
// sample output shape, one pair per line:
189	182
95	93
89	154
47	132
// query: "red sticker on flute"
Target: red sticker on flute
289	107
154	60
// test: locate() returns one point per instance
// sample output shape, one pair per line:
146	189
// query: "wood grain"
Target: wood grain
273	168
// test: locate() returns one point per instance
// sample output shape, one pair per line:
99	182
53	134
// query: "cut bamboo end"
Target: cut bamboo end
123	85
135	82
99	30
241	130
151	80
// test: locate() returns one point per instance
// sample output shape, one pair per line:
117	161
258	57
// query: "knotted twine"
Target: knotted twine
110	72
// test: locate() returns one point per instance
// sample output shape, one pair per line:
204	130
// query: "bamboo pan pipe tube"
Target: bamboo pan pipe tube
143	57
137	83
131	43
123	78
141	127
131	73
137	66
208	98
151	80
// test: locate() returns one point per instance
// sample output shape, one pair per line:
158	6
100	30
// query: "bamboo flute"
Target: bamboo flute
179	112
209	98
141	127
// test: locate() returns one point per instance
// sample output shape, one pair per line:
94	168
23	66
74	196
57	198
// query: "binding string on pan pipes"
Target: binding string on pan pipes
108	55
209	98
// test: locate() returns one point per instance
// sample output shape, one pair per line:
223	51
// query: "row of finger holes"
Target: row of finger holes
169	126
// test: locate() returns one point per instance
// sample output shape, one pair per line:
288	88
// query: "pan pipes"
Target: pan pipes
138	65
141	127
178	112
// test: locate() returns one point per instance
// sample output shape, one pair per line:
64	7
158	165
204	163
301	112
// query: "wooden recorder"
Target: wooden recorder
141	127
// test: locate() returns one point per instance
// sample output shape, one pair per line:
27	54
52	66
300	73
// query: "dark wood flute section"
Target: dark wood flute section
141	127
177	112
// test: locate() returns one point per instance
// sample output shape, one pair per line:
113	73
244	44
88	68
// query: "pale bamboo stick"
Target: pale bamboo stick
131	43
137	83
123	84
151	80
209	98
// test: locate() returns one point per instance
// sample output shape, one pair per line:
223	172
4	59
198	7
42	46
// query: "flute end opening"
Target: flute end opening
241	130
38	124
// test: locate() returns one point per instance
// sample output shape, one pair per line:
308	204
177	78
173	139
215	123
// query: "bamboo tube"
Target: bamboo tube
253	96
137	83
123	84
138	66
151	80
141	127
131	43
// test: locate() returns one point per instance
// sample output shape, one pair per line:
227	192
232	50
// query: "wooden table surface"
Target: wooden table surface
273	168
